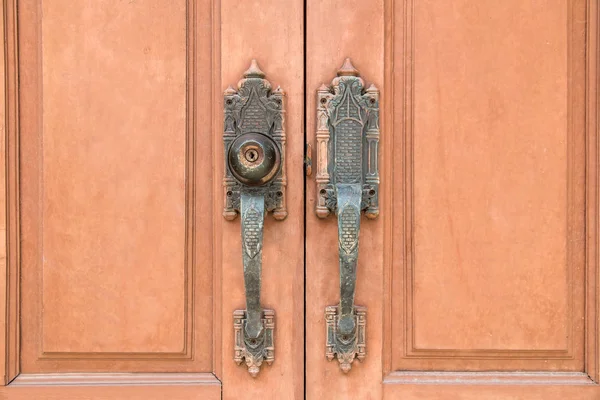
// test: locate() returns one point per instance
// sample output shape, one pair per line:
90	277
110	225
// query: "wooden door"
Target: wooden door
480	277
121	274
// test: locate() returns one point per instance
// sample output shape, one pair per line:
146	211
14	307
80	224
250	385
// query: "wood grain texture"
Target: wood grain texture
114	379
399	119
114	219
113	386
491	191
3	263
117	295
336	30
582	128
463	205
489	378
271	32
200	357
551	389
592	365
10	347
216	143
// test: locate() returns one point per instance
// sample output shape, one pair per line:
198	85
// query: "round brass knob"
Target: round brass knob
254	159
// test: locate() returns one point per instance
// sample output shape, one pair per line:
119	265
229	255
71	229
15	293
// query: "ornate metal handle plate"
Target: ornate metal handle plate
254	182
348	183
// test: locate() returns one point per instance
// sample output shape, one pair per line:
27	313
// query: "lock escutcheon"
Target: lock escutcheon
254	159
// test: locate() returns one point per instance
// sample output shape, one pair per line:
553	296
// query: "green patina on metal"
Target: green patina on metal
254	182
348	183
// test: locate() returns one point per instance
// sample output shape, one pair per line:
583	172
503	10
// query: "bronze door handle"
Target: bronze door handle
254	182
347	183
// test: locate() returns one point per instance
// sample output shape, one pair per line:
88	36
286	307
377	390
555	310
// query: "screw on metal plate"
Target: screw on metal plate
347	183
254	183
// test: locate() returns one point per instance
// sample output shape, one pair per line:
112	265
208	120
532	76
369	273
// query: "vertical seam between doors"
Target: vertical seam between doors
304	126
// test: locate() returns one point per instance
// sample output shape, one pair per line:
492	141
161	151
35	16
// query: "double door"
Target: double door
477	280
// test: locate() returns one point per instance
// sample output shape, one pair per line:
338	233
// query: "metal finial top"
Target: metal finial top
278	90
347	69
254	71
230	91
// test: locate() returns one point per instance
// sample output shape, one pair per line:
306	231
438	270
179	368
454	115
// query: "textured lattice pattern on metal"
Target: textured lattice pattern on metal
254	183
253	115
253	229
348	150
349	234
347	183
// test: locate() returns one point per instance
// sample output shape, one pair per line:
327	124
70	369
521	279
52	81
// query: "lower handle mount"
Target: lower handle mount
254	351
346	347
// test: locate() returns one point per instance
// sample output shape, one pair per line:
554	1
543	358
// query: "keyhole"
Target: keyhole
251	155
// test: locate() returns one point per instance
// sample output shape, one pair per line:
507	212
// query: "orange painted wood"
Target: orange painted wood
114	386
491	180
336	30
592	362
421	298
110	128
489	386
114	266
484	257
10	345
270	31
484	267
115	229
3	261
146	262
465	390
489	193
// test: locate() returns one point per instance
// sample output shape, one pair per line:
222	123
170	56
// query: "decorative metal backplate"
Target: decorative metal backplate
347	183
254	182
254	108
254	351
347	140
346	348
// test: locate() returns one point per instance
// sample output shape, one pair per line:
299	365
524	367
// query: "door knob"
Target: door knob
254	183
347	183
254	159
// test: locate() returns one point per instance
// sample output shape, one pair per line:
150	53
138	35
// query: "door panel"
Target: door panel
357	31
493	273
480	276
109	246
8	304
97	386
270	31
118	173
119	263
436	389
483	256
